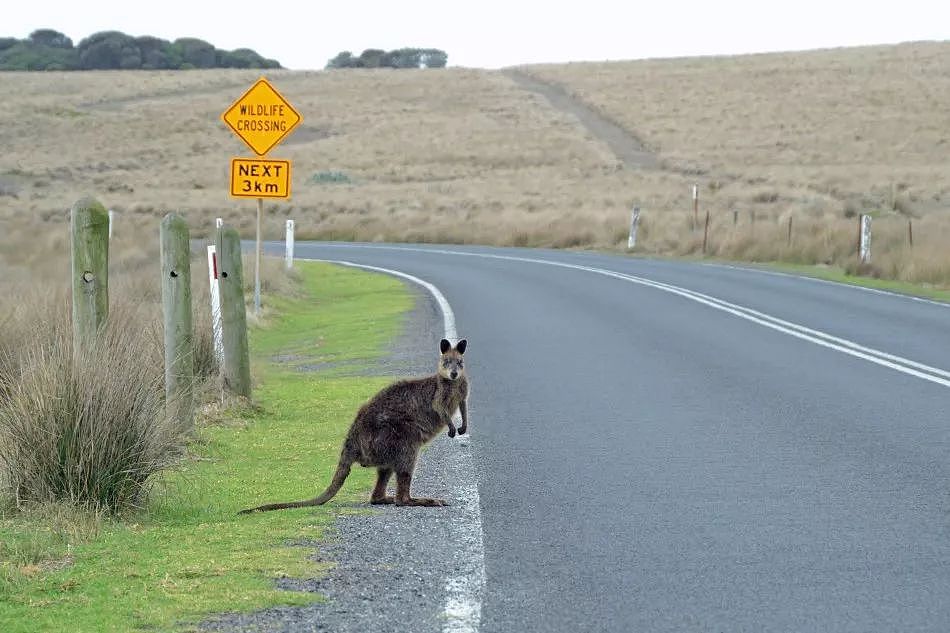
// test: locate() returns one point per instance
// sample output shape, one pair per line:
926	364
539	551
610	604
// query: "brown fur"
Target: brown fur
393	426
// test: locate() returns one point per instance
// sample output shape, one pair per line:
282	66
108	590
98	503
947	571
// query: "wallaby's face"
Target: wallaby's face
451	365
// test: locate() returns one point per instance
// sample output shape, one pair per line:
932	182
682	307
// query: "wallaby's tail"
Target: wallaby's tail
342	471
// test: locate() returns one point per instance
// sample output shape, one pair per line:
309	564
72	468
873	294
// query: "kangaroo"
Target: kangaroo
391	428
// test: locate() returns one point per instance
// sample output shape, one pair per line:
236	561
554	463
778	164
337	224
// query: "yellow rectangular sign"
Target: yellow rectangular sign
260	178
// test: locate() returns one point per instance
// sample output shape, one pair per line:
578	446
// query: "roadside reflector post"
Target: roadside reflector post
634	225
289	245
864	251
215	305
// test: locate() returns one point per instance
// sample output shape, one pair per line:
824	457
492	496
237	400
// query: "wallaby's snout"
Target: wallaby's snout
451	365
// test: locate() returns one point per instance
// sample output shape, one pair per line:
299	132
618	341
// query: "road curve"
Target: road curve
667	446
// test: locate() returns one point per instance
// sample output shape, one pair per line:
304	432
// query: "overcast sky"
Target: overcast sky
493	33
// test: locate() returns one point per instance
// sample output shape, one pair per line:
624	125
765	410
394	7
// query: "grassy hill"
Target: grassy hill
459	155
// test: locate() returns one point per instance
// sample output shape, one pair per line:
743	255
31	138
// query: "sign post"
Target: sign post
262	118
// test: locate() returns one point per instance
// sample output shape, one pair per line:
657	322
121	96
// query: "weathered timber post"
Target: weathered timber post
89	225
789	241
735	217
634	226
237	364
910	232
695	206
176	310
706	232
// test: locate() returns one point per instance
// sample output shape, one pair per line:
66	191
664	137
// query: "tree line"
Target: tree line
399	58
46	49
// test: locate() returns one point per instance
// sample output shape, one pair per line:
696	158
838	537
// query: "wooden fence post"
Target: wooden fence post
706	232
789	241
89	226
910	232
176	309
237	364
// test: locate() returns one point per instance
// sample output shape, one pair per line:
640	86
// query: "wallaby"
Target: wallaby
393	426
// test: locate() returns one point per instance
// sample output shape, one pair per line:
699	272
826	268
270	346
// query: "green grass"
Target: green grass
187	554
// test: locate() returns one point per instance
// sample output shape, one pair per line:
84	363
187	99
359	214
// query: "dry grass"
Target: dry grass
93	430
87	426
466	156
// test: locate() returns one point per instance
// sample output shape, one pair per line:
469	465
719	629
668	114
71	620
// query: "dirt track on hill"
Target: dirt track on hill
627	147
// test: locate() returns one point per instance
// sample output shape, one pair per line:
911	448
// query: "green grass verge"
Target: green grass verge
187	555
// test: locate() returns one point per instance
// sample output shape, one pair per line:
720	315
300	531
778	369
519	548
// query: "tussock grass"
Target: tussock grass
87	426
90	428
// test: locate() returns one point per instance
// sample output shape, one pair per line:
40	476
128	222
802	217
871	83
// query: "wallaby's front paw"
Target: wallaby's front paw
451	431
462	430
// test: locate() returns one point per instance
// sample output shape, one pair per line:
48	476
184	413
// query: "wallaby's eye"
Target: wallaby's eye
446	362
460	364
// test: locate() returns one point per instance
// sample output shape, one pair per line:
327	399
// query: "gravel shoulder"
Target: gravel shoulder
392	563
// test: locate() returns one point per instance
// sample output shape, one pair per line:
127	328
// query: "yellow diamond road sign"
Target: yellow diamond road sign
261	117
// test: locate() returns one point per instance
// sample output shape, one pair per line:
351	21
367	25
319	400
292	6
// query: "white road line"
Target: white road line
877	291
463	591
823	339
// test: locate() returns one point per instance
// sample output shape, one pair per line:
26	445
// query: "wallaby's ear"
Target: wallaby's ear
445	346
460	346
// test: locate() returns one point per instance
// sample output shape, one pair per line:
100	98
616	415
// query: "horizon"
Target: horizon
492	34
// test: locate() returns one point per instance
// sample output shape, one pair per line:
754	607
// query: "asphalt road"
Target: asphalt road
653	460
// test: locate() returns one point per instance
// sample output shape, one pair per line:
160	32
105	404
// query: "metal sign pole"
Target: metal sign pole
257	266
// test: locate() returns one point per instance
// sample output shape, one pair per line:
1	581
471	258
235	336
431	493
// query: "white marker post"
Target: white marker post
865	249
111	214
216	332
218	223
634	225
289	243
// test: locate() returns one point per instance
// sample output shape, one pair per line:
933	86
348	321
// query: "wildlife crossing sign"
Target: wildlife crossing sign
261	117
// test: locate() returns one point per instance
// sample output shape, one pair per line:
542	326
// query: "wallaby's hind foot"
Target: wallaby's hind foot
382	501
421	501
403	483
